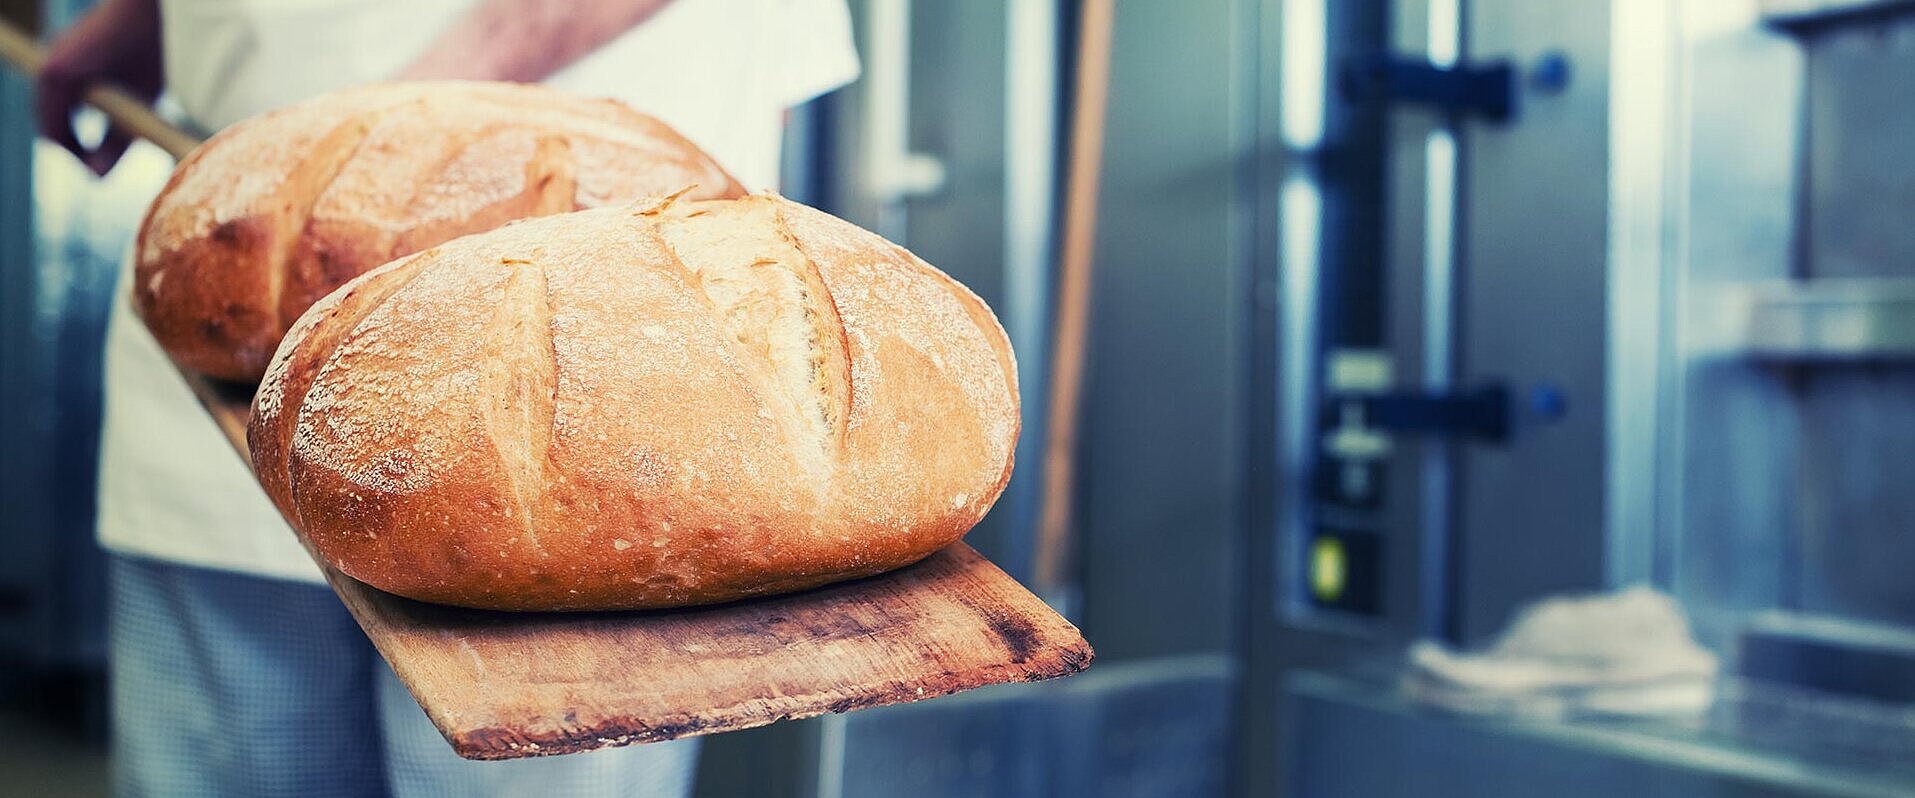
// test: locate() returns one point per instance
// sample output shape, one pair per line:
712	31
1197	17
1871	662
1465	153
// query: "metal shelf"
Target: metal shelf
1757	739
1808	16
1832	320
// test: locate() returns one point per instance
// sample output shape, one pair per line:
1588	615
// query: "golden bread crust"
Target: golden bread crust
275	212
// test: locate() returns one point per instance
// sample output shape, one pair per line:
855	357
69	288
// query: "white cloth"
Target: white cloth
1624	653
720	71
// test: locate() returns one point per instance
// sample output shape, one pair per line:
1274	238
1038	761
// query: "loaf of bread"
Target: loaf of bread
277	211
671	403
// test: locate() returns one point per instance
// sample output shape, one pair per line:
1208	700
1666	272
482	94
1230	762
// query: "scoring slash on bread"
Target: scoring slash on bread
277	211
679	402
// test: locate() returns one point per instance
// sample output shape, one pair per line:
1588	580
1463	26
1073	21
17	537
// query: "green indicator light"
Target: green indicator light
1329	569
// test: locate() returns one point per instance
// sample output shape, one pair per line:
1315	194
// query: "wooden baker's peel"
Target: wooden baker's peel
507	685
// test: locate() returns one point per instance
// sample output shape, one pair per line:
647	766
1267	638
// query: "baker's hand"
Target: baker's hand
117	42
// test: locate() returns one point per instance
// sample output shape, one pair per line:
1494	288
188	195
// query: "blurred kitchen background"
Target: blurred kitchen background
1406	315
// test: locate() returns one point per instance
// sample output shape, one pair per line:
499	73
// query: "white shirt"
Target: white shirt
720	71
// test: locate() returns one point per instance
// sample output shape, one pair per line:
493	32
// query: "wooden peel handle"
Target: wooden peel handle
126	112
1071	334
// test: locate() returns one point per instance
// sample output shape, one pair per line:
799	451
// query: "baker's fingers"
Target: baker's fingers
55	97
112	146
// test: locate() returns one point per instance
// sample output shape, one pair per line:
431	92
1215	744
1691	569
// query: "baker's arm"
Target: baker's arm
526	40
118	41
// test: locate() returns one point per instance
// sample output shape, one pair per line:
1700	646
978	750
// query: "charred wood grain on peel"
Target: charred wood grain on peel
501	743
1018	635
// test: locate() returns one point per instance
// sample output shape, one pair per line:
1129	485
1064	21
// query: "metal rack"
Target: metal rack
1759	738
1831	319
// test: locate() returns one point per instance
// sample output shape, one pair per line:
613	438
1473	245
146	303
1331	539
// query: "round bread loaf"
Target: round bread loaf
665	404
277	211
